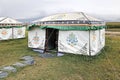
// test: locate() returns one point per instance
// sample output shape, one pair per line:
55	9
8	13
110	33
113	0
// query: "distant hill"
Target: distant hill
29	20
102	17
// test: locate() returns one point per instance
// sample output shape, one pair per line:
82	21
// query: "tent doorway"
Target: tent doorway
51	39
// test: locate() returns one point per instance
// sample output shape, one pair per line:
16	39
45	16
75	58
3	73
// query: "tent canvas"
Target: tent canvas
18	32
6	33
74	42
75	33
36	38
11	29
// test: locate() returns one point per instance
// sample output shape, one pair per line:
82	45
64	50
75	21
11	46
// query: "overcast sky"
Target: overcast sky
33	8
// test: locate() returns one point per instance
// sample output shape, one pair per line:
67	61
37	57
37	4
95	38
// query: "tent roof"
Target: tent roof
68	16
6	20
69	21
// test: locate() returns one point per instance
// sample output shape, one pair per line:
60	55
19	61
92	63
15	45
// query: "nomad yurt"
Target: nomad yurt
11	29
75	33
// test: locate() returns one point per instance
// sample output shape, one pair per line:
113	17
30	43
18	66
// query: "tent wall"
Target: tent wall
6	33
18	32
76	42
36	38
80	41
94	41
12	33
97	41
102	38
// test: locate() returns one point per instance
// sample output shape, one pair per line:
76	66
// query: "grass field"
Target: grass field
113	25
105	66
113	29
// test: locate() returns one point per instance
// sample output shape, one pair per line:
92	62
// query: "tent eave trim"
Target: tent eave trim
80	28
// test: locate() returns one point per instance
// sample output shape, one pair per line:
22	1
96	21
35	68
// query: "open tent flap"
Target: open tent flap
36	38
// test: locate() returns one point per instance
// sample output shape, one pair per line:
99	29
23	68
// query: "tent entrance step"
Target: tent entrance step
47	55
52	51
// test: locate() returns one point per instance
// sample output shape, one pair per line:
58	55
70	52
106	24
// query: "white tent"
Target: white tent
75	33
11	29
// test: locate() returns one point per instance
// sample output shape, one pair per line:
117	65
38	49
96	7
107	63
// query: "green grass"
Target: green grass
105	66
113	25
12	50
113	29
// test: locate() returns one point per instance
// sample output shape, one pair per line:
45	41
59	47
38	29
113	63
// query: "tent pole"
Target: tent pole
57	33
89	22
12	33
46	41
99	39
89	44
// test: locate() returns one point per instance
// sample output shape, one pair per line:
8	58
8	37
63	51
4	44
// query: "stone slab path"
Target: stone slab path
6	70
